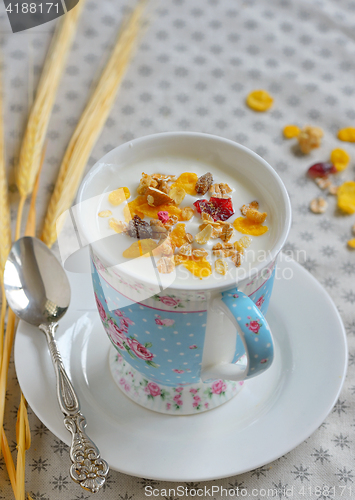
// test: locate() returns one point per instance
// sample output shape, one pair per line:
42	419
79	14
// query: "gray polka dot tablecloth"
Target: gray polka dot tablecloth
196	62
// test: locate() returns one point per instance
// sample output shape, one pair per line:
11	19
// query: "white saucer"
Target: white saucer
273	413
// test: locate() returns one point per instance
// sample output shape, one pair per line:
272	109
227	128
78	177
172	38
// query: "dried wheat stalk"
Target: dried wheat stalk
32	144
91	124
5	222
10	466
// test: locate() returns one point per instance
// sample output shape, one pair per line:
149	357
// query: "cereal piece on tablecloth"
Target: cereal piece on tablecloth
259	100
347	134
340	159
346	197
291	131
309	138
318	205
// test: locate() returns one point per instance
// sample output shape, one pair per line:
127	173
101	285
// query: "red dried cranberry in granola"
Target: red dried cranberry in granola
218	208
322	169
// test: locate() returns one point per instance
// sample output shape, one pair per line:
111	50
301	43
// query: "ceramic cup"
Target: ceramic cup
177	349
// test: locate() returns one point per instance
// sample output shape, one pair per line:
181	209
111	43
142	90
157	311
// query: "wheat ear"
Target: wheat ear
91	124
36	129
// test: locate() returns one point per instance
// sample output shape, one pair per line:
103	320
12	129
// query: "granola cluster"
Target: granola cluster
164	234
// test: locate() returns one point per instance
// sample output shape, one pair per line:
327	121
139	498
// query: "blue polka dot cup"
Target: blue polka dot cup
181	349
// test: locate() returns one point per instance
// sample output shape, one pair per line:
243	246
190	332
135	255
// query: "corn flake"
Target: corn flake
291	131
187	181
346	197
140	248
340	159
119	195
259	100
200	268
245	226
178	235
140	207
347	134
351	243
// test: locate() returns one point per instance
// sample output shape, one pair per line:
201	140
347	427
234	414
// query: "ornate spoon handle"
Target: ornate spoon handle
88	468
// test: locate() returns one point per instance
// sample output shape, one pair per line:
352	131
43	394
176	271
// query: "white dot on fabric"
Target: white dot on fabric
144	320
170	360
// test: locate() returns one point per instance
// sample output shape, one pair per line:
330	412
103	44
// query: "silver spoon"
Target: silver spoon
37	290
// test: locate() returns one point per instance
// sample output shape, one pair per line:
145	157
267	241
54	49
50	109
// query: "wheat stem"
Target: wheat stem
2	318
21	451
10	466
9	338
91	124
37	125
5	219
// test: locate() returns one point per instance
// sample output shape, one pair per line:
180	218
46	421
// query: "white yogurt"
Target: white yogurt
243	193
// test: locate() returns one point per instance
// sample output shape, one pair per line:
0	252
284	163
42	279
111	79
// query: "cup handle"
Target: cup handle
255	336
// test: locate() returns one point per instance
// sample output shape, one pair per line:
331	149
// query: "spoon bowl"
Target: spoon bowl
37	288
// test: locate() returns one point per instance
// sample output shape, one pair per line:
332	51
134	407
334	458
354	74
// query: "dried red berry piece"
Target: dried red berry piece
204	183
218	208
138	228
322	169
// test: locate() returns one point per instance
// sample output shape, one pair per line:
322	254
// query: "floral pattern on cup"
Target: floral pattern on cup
164	321
134	385
260	301
254	325
169	300
117	330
